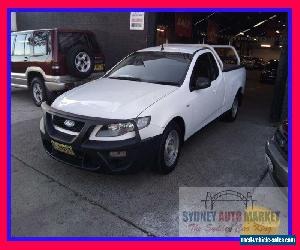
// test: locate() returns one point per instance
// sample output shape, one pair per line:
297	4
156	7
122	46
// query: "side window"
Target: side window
28	45
214	67
40	42
12	44
67	40
201	68
19	45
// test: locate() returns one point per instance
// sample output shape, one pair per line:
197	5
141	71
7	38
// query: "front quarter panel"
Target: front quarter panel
163	111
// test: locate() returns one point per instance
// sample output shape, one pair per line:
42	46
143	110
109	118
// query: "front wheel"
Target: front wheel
38	91
169	149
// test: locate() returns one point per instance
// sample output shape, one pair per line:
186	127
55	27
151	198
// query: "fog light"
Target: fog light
117	154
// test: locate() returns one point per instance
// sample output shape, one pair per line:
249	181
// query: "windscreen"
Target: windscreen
154	67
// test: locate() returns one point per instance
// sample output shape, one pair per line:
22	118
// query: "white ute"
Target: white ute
144	108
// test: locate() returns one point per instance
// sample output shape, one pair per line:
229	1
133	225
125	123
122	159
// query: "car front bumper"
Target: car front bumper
277	164
106	156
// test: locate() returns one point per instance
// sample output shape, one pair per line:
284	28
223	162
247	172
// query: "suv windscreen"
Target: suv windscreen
67	40
154	67
12	43
20	45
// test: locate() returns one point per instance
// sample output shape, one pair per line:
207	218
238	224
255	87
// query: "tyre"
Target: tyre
232	113
169	149
38	91
80	61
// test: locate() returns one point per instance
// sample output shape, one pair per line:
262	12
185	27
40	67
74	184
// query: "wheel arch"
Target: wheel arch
32	74
180	121
240	95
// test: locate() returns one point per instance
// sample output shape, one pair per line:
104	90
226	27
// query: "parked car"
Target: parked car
259	63
143	109
50	61
248	62
277	155
270	72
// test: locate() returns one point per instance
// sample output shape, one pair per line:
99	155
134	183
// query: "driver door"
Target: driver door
204	101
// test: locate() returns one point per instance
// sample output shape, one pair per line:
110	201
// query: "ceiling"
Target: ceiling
234	23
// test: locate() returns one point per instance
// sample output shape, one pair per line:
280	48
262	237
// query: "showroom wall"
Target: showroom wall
112	29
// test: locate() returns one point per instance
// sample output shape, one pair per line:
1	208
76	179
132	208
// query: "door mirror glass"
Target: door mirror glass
202	83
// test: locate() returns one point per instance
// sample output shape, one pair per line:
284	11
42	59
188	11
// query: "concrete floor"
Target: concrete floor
53	199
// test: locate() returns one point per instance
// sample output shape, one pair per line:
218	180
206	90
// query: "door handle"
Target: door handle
25	58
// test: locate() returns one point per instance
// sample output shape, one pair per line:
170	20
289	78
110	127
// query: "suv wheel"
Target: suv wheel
38	91
169	149
80	61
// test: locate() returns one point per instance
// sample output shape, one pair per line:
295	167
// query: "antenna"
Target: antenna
162	47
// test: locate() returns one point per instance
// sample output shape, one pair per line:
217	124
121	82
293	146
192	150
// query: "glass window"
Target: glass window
214	67
93	41
202	67
19	45
40	40
12	44
28	44
67	40
155	67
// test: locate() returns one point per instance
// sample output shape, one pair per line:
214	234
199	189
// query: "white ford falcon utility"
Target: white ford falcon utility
143	109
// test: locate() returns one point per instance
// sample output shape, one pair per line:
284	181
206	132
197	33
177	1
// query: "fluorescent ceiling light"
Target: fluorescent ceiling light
260	23
245	30
265	45
272	17
277	31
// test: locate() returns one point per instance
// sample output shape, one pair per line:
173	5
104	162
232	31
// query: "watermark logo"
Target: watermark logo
227	196
215	211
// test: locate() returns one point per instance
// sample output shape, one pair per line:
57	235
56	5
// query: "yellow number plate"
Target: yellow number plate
99	67
62	148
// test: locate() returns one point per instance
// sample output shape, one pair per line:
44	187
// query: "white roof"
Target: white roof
181	48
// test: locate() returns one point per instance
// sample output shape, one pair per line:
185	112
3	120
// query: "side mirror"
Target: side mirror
202	83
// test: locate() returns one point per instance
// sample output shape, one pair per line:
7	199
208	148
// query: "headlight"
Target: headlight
142	122
116	129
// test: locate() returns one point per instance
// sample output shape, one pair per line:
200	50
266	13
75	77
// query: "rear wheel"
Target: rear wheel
80	61
232	113
169	149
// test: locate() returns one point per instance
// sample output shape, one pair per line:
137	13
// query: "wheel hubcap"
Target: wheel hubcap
82	62
171	148
235	107
37	93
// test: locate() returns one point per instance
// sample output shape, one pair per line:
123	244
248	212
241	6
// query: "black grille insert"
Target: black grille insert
60	122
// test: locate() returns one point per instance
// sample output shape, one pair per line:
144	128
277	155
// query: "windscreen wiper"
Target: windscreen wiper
166	83
129	78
